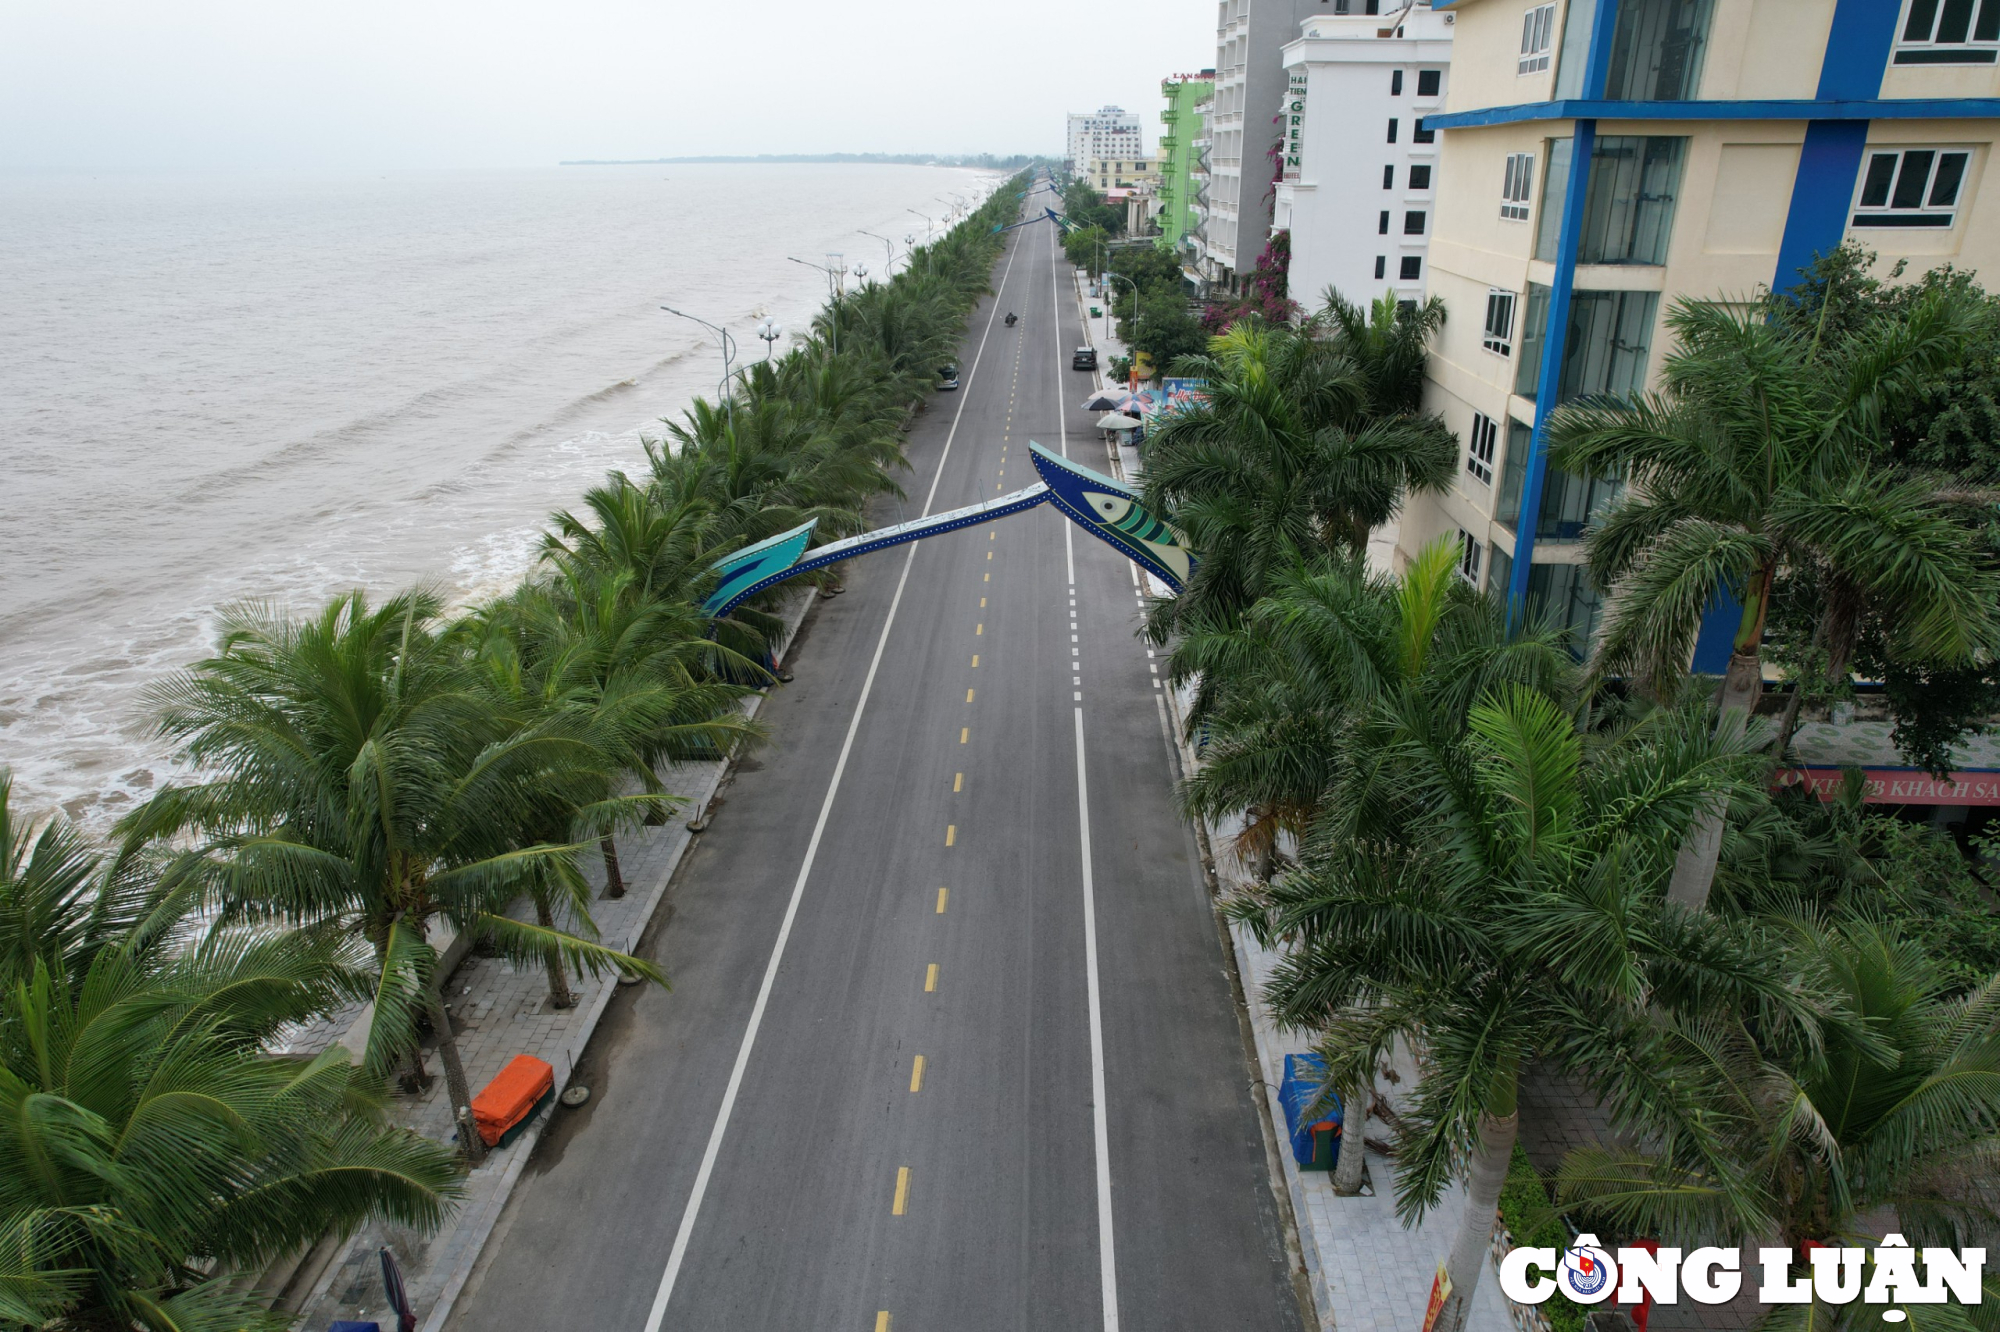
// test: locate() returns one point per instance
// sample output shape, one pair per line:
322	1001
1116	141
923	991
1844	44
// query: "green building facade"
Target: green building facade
1178	159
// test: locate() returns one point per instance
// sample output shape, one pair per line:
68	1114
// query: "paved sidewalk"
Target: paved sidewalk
500	1011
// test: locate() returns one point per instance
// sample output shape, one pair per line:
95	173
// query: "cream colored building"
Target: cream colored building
1600	158
1122	173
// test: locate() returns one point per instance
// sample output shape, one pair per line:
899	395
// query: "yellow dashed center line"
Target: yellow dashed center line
950	833
978	630
930	979
882	1321
944	895
902	1203
968	695
975	661
957	782
917	1074
982	603
965	732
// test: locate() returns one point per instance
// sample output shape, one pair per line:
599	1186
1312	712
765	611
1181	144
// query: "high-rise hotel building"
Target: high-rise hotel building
1601	158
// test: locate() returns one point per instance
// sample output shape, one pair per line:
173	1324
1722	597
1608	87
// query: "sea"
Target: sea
278	387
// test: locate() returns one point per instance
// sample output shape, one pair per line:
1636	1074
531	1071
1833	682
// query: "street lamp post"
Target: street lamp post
860	272
770	331
835	272
888	253
928	228
728	356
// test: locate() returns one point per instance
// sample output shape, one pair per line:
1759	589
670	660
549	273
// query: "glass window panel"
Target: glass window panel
1420	177
1956	21
1395	83
1628	214
1555	187
1923	16
1988	27
1534	331
1428	82
1910	181
1499	573
1881	170
1656	50
1950	171
1413	268
1568	504
1578	17
1507	509
1563	593
1605	352
1413	224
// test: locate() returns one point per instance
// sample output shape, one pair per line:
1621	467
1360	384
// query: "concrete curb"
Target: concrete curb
472	1237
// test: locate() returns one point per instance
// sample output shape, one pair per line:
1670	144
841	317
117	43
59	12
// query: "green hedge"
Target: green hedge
1532	1221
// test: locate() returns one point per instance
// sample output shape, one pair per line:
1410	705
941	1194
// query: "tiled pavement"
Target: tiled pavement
500	1011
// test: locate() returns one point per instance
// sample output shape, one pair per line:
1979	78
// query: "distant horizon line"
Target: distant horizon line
893	159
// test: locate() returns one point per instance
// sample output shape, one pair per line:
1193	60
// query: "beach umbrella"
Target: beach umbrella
1116	421
399	1298
1107	401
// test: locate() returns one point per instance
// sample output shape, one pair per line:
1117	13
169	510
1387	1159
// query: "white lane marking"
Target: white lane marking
716	1134
1107	1254
1062	419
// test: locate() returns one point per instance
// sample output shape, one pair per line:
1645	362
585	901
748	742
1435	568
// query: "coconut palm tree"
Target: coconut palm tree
1289	704
1757	457
1504	908
1892	1108
1388	342
150	1148
363	778
1282	463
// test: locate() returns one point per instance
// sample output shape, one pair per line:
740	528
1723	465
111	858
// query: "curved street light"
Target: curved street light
728	356
770	331
888	253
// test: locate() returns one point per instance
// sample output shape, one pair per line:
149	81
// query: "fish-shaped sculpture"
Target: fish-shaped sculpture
742	571
1103	507
1112	512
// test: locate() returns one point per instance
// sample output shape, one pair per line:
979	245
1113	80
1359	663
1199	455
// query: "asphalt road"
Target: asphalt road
913	844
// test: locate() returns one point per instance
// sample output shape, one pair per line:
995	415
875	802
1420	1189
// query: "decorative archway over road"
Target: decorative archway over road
1107	509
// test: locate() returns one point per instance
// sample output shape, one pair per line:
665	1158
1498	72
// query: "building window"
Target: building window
1413	267
1395	83
1418	134
1628	206
1420	177
1429	81
1610	335
1514	186
1499	574
1413	223
1381	265
1479	449
1950	32
1569	502
1384	228
1514	474
1499	335
1468	557
1389	177
1917	187
1563	592
1555	192
1656	50
1392	129
1537	36
1534	332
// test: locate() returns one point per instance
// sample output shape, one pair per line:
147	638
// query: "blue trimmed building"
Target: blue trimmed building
1600	158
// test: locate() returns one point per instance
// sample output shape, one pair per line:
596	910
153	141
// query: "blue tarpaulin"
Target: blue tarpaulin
1315	1142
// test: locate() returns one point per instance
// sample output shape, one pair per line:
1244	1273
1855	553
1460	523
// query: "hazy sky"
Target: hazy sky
115	85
